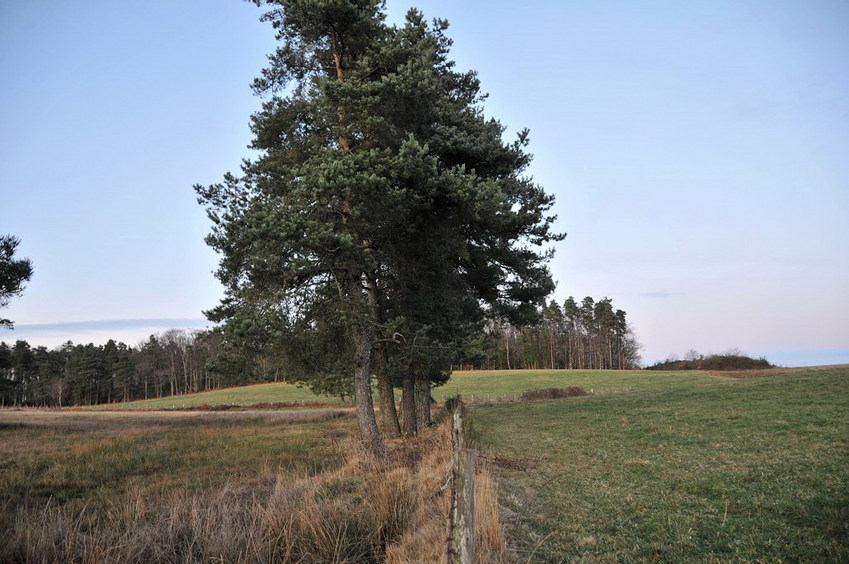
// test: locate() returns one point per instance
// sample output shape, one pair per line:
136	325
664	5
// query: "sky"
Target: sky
698	152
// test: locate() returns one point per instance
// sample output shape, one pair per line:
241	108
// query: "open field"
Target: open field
654	467
678	468
235	486
134	419
80	457
474	385
243	396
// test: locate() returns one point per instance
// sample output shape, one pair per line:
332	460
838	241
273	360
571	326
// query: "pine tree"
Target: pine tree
14	273
384	209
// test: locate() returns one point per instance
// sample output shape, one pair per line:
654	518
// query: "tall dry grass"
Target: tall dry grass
394	510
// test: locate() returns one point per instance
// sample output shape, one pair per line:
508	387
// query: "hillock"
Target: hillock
714	362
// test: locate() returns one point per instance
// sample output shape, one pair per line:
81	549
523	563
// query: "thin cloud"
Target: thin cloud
660	295
106	324
129	331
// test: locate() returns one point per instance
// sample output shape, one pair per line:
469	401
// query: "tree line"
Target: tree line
174	362
588	335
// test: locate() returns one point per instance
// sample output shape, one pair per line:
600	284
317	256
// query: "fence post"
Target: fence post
461	549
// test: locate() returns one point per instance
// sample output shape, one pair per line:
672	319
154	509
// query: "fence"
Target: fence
461	520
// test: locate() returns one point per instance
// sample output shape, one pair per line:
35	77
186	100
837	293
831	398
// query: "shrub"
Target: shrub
714	362
553	393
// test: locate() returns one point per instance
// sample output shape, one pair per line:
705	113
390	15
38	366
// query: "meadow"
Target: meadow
473	386
245	396
678	468
651	467
237	486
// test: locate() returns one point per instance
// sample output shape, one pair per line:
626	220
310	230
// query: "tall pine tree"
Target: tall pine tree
384	208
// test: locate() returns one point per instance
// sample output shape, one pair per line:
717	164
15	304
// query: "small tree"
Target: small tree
693	355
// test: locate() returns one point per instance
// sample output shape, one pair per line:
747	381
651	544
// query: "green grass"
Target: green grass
473	385
680	467
495	385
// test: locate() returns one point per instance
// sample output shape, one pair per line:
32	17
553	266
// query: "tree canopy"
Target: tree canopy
384	213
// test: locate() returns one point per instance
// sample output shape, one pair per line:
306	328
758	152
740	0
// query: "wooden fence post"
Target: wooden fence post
461	547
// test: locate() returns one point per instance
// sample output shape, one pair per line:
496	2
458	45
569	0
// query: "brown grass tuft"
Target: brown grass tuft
360	510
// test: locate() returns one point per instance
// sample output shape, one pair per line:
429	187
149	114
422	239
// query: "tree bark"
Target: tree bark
366	421
388	413
422	396
408	406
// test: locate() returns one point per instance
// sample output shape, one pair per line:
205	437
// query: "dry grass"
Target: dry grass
202	488
70	419
553	393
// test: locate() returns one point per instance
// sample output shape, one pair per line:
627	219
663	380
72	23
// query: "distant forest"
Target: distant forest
589	335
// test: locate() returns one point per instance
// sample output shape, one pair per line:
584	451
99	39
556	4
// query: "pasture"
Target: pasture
653	467
474	386
678	468
245	396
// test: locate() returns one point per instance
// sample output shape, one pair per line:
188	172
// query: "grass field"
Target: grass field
235	486
89	487
477	385
652	467
678	468
243	396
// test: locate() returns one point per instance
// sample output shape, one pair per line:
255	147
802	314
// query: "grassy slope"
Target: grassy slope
680	467
243	396
478	385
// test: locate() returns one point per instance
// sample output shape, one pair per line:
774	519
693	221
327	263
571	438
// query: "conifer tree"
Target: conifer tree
384	208
14	273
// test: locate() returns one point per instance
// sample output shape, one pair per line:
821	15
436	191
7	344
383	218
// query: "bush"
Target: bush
206	407
552	393
715	362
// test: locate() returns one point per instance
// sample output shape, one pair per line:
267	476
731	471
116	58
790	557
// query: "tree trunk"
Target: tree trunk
369	433
408	406
507	346
423	402
388	413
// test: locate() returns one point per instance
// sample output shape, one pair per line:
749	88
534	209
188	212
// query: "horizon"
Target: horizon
134	332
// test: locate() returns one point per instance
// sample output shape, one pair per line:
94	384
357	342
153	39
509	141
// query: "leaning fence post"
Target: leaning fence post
461	549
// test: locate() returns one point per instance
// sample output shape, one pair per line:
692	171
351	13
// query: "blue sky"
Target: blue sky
699	152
